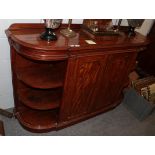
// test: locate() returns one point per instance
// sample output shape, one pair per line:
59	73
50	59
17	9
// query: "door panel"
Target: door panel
93	83
113	80
86	73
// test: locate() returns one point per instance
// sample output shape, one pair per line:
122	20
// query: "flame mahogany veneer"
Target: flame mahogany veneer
56	84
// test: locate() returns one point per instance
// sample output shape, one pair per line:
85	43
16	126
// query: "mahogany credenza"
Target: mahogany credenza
63	82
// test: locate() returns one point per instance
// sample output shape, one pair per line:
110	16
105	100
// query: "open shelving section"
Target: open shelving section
42	75
39	92
40	99
37	120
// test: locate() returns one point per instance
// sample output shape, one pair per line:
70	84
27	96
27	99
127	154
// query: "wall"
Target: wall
6	95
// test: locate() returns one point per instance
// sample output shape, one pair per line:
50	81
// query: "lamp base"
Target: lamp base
48	35
131	31
68	32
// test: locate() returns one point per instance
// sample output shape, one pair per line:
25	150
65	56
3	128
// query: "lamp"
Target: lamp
134	23
50	25
68	32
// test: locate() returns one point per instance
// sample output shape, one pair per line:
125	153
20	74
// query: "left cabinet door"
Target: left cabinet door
82	81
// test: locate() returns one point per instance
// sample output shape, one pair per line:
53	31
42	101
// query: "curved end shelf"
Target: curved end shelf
40	99
37	121
43	77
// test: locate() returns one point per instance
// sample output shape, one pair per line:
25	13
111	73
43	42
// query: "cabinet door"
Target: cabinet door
94	83
82	79
113	80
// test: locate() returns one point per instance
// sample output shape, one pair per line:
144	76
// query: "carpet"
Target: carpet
117	122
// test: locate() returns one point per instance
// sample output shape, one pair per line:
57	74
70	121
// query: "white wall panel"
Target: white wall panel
74	21
5	68
6	93
6	101
4	49
5	83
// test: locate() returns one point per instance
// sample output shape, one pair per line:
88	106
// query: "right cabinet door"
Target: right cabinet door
113	80
94	83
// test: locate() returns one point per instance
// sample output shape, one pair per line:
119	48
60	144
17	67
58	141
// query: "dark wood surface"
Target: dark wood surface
28	43
36	120
40	99
57	84
42	75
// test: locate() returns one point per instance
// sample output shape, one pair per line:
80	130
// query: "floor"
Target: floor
117	122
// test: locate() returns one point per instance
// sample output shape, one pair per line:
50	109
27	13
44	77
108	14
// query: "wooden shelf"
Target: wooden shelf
42	76
40	99
37	120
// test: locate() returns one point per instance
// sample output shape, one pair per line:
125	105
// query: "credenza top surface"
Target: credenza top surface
28	35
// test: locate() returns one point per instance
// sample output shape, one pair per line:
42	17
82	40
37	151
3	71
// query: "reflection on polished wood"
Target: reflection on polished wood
40	99
42	76
36	120
68	80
